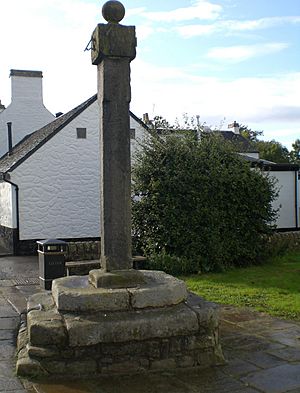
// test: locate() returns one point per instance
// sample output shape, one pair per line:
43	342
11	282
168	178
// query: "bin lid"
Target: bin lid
51	242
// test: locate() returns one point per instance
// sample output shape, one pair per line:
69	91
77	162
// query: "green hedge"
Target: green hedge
199	202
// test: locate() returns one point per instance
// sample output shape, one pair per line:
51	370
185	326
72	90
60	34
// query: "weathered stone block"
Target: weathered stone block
185	361
113	40
22	339
116	279
81	367
127	367
42	352
43	299
163	364
76	294
46	328
54	367
160	290
27	367
130	326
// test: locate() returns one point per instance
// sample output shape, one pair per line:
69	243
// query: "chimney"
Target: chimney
9	137
26	110
2	107
235	126
146	118
26	85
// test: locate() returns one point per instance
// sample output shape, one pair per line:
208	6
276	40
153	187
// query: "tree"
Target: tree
273	151
160	123
268	150
199	205
249	134
295	152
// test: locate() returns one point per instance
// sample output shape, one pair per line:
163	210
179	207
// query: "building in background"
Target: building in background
26	112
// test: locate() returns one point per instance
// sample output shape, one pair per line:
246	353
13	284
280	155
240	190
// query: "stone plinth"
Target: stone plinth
84	330
120	291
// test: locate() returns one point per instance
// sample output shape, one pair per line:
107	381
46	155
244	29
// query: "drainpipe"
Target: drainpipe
296	199
16	237
9	137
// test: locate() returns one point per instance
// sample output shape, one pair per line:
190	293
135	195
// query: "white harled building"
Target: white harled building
26	111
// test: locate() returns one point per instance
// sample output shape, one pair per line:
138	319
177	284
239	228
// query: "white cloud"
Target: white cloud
231	26
263	23
266	103
201	9
144	31
197	30
239	53
135	11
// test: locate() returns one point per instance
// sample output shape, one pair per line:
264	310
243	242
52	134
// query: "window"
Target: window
81	133
132	133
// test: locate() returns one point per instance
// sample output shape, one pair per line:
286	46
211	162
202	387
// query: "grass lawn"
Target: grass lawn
273	287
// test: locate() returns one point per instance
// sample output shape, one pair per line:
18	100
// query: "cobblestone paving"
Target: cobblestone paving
262	353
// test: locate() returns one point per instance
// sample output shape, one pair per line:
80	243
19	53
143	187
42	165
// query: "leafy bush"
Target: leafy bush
200	202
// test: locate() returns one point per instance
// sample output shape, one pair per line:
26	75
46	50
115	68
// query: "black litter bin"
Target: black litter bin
52	254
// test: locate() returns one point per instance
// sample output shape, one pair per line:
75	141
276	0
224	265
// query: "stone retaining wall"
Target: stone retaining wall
281	242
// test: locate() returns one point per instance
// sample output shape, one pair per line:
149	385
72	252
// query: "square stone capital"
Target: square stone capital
113	40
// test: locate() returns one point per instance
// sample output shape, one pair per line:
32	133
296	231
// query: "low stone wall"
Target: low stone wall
83	250
281	242
78	250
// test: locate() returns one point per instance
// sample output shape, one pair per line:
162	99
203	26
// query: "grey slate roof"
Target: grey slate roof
243	143
28	145
32	142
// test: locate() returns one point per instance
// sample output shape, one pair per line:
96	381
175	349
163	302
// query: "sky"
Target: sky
222	60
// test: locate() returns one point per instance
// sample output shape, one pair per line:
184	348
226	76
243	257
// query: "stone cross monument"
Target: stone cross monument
113	48
116	320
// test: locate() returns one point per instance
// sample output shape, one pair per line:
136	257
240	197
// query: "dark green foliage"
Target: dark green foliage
295	152
268	150
273	151
199	203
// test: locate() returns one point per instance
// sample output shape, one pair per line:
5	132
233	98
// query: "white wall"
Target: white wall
26	111
7	201
286	199
59	183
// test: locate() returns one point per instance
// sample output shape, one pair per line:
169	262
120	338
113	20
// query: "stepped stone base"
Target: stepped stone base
121	337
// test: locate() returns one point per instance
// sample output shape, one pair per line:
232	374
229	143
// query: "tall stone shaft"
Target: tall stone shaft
113	47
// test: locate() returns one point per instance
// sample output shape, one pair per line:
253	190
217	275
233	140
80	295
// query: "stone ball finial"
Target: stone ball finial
113	11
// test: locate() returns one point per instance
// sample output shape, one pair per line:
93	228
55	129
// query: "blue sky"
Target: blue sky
224	60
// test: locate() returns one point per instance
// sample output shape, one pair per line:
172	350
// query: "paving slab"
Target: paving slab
7	311
263	359
7	334
287	353
278	379
7	350
238	367
211	381
10	384
7	368
9	323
